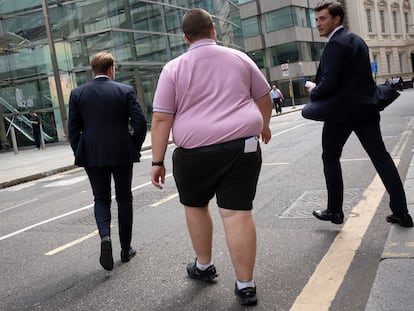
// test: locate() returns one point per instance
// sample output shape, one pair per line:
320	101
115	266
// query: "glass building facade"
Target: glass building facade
282	38
45	49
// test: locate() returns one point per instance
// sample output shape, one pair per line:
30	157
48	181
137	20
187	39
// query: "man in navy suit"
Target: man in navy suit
344	80
102	114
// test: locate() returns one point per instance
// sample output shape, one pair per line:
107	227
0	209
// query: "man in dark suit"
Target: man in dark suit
35	121
101	113
344	79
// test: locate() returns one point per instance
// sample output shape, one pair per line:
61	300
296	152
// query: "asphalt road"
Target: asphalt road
50	248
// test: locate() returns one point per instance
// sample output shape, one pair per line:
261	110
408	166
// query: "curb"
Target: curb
36	176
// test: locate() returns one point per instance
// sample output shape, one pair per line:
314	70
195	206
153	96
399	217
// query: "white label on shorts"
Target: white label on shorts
250	144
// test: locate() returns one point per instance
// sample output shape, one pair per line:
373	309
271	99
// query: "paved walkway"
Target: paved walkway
393	286
31	164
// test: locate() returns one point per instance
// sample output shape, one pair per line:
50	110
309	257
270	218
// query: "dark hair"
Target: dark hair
197	24
334	8
101	62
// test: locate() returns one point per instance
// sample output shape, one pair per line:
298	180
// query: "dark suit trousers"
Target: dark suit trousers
277	105
334	137
100	179
36	136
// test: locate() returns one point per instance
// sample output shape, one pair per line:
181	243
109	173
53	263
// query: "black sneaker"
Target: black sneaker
246	295
207	275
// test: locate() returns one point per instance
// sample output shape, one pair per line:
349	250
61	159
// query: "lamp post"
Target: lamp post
291	93
55	68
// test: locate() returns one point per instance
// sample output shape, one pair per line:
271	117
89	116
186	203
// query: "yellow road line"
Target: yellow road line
165	200
328	276
321	289
70	244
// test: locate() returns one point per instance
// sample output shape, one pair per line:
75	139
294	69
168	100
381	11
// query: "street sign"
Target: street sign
374	67
285	69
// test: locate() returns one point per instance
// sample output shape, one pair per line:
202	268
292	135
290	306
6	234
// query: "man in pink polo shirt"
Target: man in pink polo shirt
217	103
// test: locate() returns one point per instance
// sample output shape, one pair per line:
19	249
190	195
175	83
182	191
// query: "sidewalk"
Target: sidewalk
393	286
391	291
31	164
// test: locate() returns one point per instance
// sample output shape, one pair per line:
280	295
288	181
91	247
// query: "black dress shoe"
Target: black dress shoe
336	218
404	220
126	255
106	260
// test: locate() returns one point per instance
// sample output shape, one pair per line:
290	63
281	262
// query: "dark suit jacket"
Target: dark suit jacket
344	79
102	114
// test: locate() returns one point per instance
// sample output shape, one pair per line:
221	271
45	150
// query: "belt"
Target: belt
223	145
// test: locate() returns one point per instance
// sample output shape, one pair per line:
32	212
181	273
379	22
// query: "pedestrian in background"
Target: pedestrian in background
344	78
100	113
277	98
218	153
400	84
35	121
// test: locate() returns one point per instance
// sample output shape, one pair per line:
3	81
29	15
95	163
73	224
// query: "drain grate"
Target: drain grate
317	199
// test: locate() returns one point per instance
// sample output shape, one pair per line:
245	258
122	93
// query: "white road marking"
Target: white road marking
44	222
146	157
275	163
291	129
53	177
19	187
4	237
18	205
66	182
355	159
73	243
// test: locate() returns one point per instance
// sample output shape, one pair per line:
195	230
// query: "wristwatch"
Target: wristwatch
160	163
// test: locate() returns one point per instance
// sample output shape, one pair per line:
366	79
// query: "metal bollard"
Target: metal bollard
14	141
42	140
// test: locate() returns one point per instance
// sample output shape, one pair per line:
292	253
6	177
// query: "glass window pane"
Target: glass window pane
312	18
300	17
258	58
279	19
251	26
369	20
285	53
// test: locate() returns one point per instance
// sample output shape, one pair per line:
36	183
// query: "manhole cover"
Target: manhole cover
317	199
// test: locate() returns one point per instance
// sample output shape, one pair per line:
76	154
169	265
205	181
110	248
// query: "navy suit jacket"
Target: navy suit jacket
344	79
106	124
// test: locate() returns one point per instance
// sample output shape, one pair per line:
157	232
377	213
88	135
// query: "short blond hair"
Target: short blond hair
101	62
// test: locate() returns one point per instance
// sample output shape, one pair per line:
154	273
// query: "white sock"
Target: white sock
241	285
201	266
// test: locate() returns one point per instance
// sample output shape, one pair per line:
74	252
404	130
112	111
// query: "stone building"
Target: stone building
281	36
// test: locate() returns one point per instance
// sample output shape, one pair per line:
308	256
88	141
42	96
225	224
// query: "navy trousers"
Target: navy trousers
100	179
277	105
334	137
36	136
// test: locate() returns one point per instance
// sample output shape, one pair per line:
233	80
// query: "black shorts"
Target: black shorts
224	170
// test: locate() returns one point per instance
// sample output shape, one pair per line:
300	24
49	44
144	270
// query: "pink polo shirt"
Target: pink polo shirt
210	89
